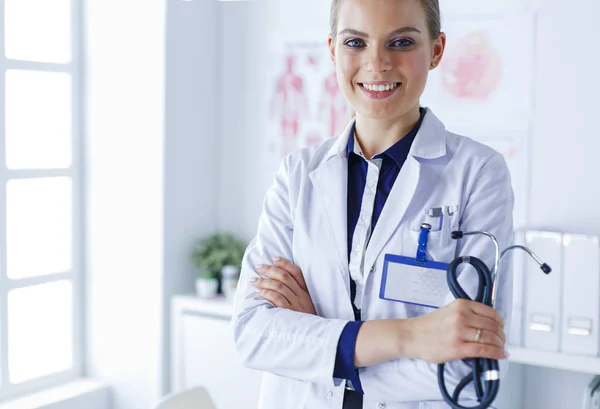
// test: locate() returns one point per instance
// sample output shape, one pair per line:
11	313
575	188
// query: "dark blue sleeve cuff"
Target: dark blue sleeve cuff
344	359
356	383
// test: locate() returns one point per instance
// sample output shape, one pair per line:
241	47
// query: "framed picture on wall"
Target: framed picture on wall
485	78
306	106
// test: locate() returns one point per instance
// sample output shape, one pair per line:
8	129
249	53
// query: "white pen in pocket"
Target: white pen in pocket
450	212
438	213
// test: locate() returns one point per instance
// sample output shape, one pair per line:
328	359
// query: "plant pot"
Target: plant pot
207	287
229	280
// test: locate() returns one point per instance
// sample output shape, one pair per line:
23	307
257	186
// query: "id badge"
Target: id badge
407	280
415	281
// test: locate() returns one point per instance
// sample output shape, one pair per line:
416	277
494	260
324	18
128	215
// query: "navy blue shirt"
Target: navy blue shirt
392	160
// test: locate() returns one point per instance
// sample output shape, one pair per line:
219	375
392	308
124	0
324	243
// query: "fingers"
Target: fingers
478	350
293	269
281	276
473	309
473	322
275	291
468	317
275	298
485	311
486	337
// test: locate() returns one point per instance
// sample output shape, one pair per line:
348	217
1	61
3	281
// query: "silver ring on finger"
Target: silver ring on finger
478	335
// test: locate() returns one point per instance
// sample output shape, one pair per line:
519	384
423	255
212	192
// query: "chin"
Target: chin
379	115
388	112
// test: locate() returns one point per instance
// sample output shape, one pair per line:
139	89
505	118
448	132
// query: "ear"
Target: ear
439	45
331	45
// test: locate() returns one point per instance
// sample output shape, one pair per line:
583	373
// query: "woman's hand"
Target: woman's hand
450	333
284	286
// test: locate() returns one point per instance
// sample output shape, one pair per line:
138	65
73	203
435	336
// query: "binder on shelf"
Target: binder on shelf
581	295
542	293
515	261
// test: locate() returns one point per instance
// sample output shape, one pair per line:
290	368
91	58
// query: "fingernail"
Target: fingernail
259	266
276	258
259	290
253	279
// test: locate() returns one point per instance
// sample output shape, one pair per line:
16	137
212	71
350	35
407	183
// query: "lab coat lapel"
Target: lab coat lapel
331	184
330	180
394	209
410	186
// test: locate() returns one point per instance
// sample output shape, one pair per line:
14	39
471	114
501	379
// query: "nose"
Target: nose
377	60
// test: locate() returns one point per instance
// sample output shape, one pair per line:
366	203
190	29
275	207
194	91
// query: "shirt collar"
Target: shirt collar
397	151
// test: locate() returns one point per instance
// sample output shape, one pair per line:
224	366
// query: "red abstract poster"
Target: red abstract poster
485	78
474	70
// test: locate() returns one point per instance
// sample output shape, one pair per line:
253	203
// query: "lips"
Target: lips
380	90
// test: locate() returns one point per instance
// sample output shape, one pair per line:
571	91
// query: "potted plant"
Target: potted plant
210	255
207	285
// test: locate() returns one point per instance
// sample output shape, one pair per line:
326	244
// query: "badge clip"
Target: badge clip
422	249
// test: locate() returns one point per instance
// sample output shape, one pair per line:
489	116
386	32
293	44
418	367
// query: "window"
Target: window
40	195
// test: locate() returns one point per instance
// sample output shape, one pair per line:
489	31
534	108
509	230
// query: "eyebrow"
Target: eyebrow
393	33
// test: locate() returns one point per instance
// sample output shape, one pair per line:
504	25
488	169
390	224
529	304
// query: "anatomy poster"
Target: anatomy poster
306	106
485	77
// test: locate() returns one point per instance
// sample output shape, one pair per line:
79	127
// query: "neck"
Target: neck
377	135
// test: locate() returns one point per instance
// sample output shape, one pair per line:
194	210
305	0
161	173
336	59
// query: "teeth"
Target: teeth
380	88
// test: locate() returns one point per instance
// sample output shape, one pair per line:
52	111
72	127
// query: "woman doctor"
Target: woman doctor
307	309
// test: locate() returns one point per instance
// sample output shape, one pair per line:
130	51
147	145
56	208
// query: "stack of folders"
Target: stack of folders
559	312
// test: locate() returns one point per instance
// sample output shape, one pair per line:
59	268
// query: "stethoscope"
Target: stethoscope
487	369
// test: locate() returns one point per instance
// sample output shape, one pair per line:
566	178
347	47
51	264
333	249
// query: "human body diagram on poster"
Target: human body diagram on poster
306	104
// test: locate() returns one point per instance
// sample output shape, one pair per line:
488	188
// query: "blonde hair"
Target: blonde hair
432	12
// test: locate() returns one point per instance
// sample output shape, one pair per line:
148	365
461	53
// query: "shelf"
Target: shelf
219	306
576	363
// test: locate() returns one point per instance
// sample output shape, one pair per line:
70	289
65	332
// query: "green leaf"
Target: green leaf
213	252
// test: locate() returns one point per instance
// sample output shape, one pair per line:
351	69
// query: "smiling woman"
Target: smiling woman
308	309
382	60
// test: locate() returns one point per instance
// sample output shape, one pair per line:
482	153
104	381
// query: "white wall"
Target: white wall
151	136
192	143
124	201
237	151
565	193
242	63
152	130
153	142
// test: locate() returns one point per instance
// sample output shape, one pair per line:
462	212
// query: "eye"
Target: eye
402	43
354	43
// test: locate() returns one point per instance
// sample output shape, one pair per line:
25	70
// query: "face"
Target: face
382	54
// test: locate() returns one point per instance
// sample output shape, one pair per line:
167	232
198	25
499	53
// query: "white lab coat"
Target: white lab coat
304	220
